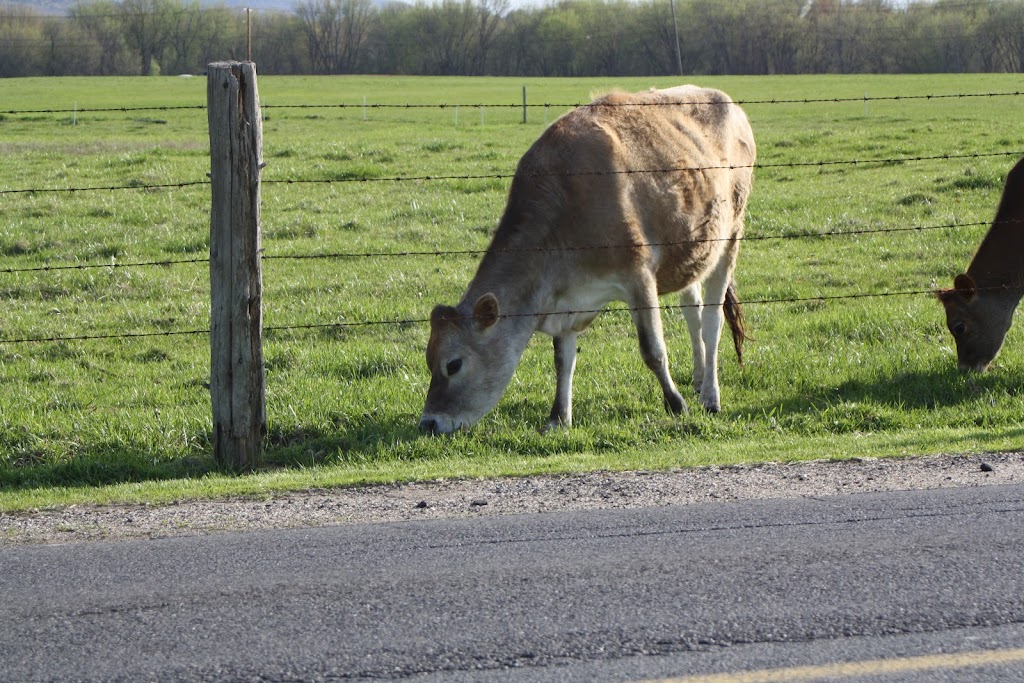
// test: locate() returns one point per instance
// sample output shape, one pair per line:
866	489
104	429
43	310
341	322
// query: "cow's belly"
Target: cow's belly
573	309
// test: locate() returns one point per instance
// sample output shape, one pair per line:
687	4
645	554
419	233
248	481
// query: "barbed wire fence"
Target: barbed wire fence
113	264
401	254
789	235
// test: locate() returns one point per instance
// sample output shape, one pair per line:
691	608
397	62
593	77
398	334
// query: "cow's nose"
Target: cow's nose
429	425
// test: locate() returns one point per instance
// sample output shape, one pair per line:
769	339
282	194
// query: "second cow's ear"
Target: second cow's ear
964	284
443	314
486	311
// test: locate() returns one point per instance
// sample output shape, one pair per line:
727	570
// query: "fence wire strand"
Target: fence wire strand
420	321
109	264
506	176
106	188
520	105
476	252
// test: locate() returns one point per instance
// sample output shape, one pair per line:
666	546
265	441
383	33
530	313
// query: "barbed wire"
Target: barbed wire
577	105
808	234
507	176
519	105
418	321
109	264
106	188
100	110
679	169
636	245
92	337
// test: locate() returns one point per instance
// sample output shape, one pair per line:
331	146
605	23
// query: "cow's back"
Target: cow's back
668	167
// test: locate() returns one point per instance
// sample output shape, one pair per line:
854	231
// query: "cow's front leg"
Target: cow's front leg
647	318
565	366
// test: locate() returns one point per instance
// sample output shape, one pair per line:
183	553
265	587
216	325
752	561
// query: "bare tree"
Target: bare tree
491	15
1001	42
336	32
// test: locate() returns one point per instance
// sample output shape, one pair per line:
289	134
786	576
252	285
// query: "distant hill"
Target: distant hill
62	6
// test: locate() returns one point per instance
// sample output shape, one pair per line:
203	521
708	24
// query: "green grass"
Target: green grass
129	419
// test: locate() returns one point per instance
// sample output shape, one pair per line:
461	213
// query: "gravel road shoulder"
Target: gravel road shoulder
466	498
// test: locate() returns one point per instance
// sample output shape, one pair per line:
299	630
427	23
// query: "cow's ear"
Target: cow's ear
486	311
965	284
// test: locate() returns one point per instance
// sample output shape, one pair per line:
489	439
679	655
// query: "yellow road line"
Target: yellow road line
959	660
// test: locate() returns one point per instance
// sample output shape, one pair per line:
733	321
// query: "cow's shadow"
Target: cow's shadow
916	390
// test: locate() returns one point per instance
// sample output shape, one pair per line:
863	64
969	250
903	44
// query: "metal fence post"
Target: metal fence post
237	384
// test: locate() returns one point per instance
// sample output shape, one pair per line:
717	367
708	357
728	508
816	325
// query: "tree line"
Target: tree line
488	37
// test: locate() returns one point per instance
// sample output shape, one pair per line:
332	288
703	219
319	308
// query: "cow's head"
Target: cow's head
977	321
471	363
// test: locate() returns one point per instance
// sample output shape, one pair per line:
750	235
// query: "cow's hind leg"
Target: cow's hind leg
565	366
711	332
647	318
692	303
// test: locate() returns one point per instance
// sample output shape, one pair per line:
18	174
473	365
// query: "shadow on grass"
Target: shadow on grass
358	439
891	402
931	390
102	465
348	440
378	436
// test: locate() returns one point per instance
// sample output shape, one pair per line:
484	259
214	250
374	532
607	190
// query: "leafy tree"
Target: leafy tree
560	37
68	50
445	36
100	22
21	42
148	27
656	48
279	44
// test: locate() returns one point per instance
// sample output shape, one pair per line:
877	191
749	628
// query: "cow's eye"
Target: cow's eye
958	329
454	366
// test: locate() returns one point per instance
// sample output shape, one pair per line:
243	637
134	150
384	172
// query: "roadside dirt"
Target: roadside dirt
467	498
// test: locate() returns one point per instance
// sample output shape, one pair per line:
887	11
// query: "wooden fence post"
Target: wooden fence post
237	387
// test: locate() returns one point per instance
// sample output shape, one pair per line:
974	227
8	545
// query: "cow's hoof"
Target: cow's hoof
675	405
555	426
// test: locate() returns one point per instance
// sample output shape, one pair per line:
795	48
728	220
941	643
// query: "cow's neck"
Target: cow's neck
520	296
998	266
516	268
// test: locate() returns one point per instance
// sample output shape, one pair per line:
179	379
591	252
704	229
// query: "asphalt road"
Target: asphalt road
910	586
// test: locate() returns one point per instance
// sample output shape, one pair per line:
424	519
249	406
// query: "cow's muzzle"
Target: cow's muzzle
429	425
441	424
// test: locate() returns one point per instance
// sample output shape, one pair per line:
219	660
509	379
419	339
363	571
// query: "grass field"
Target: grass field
129	418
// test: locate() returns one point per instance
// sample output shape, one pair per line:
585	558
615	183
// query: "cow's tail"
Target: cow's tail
734	316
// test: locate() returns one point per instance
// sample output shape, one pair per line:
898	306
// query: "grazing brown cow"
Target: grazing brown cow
624	199
980	306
